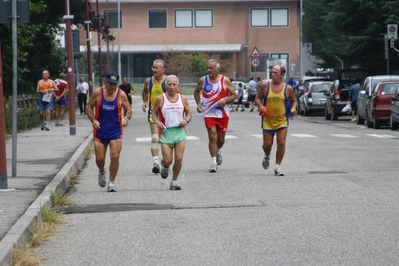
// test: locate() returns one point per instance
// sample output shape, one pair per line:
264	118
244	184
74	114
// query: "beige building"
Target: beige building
230	28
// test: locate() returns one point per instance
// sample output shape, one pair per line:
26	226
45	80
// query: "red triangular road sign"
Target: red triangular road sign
255	53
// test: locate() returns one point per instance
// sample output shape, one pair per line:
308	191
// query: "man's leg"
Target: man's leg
179	151
154	147
281	138
84	103
62	113
80	103
167	159
267	143
100	151
115	147
213	141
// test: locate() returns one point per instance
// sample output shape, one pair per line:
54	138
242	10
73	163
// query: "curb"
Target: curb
19	233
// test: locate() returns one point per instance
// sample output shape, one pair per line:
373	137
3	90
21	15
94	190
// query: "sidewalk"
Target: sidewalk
45	162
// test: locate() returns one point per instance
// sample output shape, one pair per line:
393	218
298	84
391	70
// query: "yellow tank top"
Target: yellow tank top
276	108
155	90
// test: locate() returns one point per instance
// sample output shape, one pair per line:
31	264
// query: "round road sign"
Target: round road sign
255	62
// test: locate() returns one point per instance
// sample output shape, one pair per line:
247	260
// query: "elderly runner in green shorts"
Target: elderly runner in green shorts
171	114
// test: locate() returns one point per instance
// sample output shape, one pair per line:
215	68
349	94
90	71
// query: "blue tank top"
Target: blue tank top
109	114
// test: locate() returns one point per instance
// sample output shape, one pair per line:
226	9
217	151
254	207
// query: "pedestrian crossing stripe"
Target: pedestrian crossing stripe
380	136
303	136
259	136
149	139
343	136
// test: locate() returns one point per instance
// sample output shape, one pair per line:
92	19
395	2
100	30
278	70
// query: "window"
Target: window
259	17
183	18
279	17
203	18
157	19
113	18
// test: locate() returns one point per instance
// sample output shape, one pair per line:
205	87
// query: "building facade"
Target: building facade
229	28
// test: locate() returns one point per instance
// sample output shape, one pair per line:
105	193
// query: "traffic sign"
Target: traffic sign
308	47
392	30
255	53
255	62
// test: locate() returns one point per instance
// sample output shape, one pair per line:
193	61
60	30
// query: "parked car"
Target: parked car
365	95
377	108
394	111
338	95
314	99
303	84
245	96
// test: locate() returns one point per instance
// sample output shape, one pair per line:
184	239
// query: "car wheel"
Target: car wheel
393	125
359	121
376	123
305	111
326	114
334	115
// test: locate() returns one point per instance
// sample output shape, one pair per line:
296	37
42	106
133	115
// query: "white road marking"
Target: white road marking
380	136
230	137
303	136
257	135
149	139
343	136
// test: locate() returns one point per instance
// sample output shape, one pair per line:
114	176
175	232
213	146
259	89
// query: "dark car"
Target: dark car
338	95
365	95
394	111
377	108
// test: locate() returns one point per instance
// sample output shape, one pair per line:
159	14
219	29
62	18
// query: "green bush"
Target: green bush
27	118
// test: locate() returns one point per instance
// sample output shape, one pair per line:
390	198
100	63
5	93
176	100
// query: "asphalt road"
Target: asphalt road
336	205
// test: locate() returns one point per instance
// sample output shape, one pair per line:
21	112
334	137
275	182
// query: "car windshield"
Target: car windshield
321	87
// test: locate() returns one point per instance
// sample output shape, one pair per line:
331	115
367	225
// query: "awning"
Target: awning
209	48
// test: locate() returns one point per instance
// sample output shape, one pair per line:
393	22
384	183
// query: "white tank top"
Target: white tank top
172	113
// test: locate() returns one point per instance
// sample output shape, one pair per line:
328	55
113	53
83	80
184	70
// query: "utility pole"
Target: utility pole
88	40
3	157
99	53
71	95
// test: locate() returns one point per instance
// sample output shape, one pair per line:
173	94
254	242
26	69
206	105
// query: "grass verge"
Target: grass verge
26	255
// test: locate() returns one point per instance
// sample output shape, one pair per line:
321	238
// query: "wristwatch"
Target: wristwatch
127	119
188	120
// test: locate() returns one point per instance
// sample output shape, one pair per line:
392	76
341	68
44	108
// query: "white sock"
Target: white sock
213	160
155	158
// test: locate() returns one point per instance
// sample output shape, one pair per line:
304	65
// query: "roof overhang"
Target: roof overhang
208	48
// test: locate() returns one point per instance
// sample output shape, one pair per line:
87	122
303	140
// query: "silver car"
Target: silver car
313	100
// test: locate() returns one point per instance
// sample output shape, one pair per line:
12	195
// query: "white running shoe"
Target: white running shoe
111	187
164	170
219	157
266	162
214	168
102	179
155	167
277	171
174	185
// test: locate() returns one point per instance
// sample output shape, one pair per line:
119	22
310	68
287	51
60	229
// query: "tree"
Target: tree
351	30
192	65
38	48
